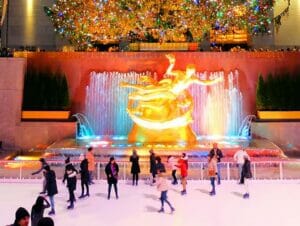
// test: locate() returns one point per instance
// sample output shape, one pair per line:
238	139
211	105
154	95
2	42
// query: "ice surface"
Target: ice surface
271	203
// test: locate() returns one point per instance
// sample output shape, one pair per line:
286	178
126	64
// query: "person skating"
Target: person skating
91	160
153	169
21	217
84	173
162	187
42	169
212	173
239	157
246	175
183	166
172	164
51	188
37	210
135	167
70	176
112	171
215	151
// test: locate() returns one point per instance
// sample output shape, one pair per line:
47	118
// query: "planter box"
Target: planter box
166	46
35	115
278	115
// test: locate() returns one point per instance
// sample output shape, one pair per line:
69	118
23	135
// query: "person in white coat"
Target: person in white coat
239	157
163	187
172	161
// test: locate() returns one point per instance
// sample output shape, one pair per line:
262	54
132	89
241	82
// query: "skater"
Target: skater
215	151
239	157
246	175
160	167
21	217
42	169
51	188
172	164
112	171
91	160
37	210
135	167
183	166
162	186
70	176
84	173
212	173
153	169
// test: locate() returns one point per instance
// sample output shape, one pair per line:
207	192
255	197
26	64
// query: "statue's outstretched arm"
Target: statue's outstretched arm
206	82
171	58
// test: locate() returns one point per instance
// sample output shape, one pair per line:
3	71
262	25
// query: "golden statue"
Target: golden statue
162	111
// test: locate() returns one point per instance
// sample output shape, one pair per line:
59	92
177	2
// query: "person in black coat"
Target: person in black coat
21	217
70	176
112	171
42	169
84	172
153	169
37	210
216	151
51	187
135	167
246	175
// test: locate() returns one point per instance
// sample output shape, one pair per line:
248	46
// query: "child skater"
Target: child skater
212	173
162	186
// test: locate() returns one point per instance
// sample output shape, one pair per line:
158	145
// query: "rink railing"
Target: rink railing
197	170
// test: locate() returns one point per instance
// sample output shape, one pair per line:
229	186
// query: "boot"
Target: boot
246	196
52	212
71	206
212	193
172	209
82	196
161	210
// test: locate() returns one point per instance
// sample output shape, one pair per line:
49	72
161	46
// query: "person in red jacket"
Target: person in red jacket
183	166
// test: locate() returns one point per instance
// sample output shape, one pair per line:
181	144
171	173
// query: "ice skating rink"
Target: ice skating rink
271	203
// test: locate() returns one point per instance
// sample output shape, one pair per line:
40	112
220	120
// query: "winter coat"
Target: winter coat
84	171
51	185
161	183
112	179
91	160
36	216
70	176
135	166
246	170
218	152
183	166
153	164
172	163
212	168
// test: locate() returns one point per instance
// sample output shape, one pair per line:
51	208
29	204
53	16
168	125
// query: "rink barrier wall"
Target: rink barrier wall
270	170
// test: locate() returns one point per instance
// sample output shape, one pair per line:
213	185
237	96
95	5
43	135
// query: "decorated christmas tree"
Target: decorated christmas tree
86	22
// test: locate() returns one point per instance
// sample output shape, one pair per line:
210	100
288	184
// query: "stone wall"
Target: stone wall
15	134
284	134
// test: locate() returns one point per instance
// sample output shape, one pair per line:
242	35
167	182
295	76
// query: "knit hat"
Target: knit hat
21	213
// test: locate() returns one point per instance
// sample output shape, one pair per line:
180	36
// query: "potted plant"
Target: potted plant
278	98
45	96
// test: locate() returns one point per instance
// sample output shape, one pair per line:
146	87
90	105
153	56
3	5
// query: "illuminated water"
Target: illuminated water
218	109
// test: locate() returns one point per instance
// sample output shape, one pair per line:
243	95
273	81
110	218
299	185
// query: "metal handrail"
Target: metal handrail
197	169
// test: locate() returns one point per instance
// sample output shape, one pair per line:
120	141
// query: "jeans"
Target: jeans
240	168
51	198
163	199
91	177
212	182
219	172
109	190
174	176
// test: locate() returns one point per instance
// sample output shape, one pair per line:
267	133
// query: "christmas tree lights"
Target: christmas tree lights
86	22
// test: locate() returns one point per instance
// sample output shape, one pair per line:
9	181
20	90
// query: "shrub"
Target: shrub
45	90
